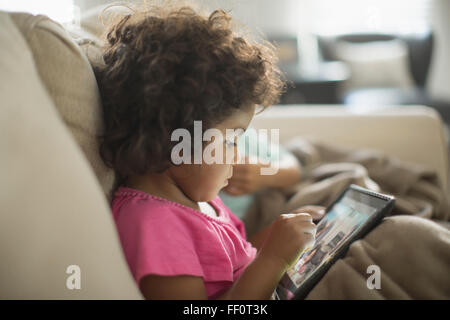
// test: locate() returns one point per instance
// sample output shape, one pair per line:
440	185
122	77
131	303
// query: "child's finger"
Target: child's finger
233	191
317	212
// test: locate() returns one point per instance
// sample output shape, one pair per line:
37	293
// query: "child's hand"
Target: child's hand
316	212
288	237
246	178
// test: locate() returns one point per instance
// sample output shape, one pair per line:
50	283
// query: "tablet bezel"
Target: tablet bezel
312	280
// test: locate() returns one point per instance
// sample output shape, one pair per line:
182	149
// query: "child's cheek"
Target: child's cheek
215	177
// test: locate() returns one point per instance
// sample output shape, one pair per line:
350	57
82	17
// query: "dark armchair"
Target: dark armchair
419	48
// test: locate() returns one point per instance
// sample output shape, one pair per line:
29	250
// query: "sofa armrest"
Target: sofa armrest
411	133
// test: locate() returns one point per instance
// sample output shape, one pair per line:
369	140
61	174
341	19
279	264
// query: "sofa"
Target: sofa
54	204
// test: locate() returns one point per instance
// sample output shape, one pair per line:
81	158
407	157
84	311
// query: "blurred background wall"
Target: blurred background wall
439	84
320	53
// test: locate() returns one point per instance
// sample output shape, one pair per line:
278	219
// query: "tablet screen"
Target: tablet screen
343	220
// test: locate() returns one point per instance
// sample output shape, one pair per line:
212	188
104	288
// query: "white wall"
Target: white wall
268	16
286	16
439	77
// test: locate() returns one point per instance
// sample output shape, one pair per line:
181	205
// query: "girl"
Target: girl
247	180
164	69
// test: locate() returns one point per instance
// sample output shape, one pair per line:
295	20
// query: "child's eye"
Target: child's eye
230	143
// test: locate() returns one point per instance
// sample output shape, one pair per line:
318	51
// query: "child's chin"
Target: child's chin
212	194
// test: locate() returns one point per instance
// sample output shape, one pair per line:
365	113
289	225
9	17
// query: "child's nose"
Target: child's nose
237	155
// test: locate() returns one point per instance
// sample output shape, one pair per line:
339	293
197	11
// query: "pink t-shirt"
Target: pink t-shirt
163	237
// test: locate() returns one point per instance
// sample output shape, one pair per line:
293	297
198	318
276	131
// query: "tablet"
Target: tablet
354	213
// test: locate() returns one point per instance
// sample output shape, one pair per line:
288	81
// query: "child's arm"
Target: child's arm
258	281
287	238
289	172
289	235
247	177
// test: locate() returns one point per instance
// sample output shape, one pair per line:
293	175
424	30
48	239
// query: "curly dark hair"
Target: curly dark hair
164	69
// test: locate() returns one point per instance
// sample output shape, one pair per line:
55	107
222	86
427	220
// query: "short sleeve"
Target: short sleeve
158	242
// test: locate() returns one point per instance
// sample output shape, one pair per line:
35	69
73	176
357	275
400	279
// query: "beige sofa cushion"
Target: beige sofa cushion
69	79
410	133
52	210
376	64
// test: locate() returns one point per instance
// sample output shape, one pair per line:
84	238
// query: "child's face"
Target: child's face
202	182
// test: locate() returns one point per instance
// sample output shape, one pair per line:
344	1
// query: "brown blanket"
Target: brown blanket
413	252
413	255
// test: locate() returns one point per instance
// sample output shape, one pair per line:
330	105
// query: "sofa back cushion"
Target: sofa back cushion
53	215
69	79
